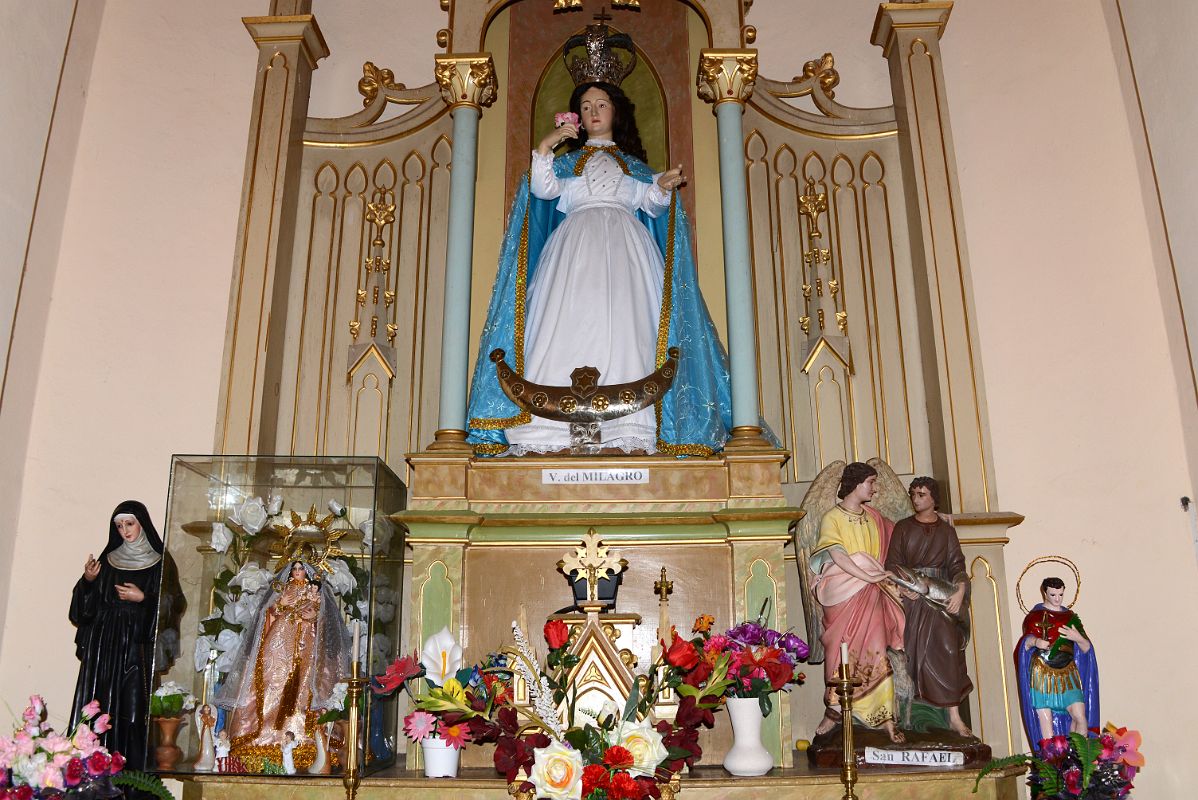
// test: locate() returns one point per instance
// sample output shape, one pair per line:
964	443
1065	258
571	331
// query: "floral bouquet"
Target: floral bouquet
171	700
749	660
1077	767
38	762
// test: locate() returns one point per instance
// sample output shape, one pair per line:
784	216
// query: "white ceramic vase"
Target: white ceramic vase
440	758
748	755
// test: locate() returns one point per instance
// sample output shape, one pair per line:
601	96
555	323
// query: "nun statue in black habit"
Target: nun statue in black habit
115	606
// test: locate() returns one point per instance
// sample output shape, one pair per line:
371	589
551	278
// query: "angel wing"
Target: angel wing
892	499
819	500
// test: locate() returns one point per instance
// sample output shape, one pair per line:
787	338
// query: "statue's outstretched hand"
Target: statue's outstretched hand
672	179
556	137
91	568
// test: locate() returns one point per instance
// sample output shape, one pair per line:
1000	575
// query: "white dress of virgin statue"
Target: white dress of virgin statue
595	297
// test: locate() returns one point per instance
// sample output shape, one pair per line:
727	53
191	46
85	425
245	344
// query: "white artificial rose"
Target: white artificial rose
251	515
640	739
336	701
227	641
341	581
441	656
276	505
557	772
251	578
226	660
222	537
383	612
204	646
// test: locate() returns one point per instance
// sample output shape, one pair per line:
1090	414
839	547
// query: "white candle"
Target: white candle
357	638
844	652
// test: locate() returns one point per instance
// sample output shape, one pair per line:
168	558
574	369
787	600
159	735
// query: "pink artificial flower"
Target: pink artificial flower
118	762
1073	780
52	778
35	710
102	723
91	709
716	643
1128	745
85	741
24	744
8	754
456	736
419	725
56	743
565	118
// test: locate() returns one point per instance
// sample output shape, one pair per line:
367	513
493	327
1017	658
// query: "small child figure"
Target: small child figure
222	746
288	748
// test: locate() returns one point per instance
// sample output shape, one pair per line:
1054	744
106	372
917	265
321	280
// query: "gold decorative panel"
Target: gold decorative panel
383	400
834	292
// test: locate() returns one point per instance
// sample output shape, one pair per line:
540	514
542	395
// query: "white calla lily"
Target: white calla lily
441	657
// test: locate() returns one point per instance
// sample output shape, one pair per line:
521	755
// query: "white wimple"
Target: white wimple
538	685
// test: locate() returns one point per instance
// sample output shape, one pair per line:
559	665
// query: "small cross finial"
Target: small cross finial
663	587
603	16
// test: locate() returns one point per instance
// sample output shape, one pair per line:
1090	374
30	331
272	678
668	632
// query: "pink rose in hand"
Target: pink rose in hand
565	118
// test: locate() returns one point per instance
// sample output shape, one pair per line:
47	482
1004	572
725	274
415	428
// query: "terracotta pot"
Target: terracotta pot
167	753
748	755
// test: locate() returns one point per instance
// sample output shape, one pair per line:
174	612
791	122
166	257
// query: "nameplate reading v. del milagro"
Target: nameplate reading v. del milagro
613	475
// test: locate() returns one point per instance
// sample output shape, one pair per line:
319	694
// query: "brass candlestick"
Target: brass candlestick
353	699
844	690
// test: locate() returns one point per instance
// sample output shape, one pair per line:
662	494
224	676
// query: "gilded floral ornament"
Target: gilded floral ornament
823	72
375	79
727	75
466	80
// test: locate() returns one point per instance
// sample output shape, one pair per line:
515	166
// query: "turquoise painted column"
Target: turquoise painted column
726	78
467	84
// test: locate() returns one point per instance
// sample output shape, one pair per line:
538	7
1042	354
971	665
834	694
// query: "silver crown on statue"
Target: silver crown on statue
601	61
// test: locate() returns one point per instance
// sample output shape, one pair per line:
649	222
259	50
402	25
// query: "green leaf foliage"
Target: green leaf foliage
142	782
1002	763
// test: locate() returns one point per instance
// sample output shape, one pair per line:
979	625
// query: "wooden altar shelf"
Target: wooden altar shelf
705	783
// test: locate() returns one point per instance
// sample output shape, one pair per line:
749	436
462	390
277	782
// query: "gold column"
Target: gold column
909	34
289	46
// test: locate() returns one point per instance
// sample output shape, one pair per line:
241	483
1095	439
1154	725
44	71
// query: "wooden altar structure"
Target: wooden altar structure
849	314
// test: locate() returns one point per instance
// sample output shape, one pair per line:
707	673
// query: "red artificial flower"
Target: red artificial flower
74	773
22	792
118	762
594	776
500	690
648	787
455	735
682	654
556	634
98	764
624	787
700	673
618	757
398	672
690	715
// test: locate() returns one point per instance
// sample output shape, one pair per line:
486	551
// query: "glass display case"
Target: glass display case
281	571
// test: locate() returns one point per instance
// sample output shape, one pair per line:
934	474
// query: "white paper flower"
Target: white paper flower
441	656
341	581
640	739
363	609
557	772
227	641
276	505
204	646
169	688
228	658
336	701
251	578
251	515
222	537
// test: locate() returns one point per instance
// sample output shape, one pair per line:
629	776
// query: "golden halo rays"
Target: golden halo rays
1077	578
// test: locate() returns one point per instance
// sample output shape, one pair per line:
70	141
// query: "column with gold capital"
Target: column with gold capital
467	82
909	35
726	79
289	46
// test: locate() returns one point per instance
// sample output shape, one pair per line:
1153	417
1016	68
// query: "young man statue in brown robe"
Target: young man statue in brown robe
935	636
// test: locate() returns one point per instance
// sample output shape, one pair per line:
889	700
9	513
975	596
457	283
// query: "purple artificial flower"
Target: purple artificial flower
771	637
749	633
795	646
